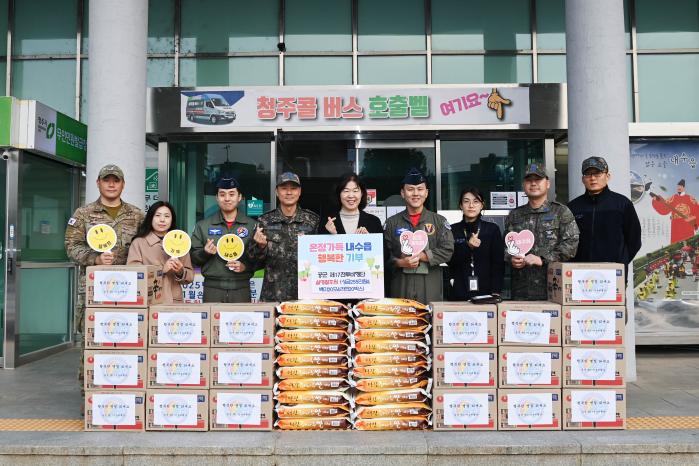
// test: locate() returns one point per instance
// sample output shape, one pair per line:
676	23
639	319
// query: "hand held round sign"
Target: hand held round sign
412	244
101	238
230	248
519	244
176	243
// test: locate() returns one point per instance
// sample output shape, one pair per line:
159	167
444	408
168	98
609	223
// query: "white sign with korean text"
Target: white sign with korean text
593	405
464	409
115	286
241	327
113	409
116	327
529	409
594	285
527	327
465	327
238	408
179	327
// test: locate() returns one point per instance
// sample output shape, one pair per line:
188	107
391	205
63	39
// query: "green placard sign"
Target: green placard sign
71	138
255	206
5	121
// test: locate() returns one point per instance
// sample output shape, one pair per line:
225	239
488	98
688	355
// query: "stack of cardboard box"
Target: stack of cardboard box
465	366
529	365
116	329
594	360
177	393
242	366
186	367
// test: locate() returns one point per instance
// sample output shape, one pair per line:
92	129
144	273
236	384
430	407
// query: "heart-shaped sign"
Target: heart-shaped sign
519	244
411	244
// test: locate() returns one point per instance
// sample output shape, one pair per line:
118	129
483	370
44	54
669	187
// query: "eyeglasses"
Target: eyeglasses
471	202
594	175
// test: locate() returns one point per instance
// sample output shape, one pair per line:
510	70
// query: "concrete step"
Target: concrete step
633	448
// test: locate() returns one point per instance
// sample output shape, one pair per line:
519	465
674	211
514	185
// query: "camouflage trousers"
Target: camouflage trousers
79	329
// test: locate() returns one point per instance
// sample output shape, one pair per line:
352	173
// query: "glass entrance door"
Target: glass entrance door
383	165
3	220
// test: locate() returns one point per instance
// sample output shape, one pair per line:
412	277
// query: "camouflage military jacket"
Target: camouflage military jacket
280	255
555	239
125	224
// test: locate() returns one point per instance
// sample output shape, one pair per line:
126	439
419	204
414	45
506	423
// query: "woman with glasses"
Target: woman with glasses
351	218
477	266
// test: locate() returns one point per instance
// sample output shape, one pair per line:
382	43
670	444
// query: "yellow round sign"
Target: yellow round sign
230	247
176	243
101	238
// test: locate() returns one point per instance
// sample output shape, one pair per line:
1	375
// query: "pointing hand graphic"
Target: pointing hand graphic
496	102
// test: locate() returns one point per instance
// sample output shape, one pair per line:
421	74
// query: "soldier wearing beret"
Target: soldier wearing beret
224	281
108	209
416	276
555	236
276	240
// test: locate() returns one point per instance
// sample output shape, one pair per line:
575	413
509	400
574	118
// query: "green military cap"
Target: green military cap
111	170
535	169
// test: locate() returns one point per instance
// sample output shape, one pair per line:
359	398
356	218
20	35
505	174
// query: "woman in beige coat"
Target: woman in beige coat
147	249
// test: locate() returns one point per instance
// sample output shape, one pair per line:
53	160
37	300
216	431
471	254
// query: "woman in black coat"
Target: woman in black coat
478	251
351	218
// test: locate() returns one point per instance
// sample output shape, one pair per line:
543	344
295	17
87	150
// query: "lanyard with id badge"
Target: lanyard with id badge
473	279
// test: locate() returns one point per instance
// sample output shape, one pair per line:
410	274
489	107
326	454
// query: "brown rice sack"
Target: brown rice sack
393	410
391	307
328	383
382	384
319	423
311	334
392	396
391	346
394	423
391	334
383	359
329	398
298	359
311	411
310	347
302	321
406	370
402	322
301	372
313	307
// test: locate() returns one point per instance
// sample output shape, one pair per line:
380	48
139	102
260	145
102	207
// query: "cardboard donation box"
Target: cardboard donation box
529	367
536	323
594	367
116	328
594	326
523	409
178	367
465	367
242	368
114	410
465	409
123	285
179	325
588	284
241	409
464	324
585	409
236	325
115	369
186	410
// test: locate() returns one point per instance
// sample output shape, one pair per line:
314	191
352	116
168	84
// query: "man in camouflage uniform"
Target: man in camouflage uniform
417	276
276	240
110	210
555	236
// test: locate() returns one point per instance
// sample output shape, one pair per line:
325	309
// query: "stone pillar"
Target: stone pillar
597	104
117	94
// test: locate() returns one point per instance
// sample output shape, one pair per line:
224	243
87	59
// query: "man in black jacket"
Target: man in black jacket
609	227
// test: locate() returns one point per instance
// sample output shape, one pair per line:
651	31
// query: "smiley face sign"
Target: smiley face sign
177	243
230	247
101	238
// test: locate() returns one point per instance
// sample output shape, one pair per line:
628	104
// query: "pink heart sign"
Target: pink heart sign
519	244
411	244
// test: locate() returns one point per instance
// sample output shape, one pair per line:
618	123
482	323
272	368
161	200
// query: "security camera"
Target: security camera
6	154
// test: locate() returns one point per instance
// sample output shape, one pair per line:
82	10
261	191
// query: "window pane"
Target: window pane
83	90
551	24
236	71
457	69
552	68
45	316
51	82
320	164
391	25
45	26
86	27
3	28
215	26
459	25
160	72
161	26
392	70
45	200
318	25
384	170
487	165
660	78
195	167
667	24
318	70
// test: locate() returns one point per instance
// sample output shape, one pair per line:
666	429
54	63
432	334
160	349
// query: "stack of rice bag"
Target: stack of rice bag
391	365
312	365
